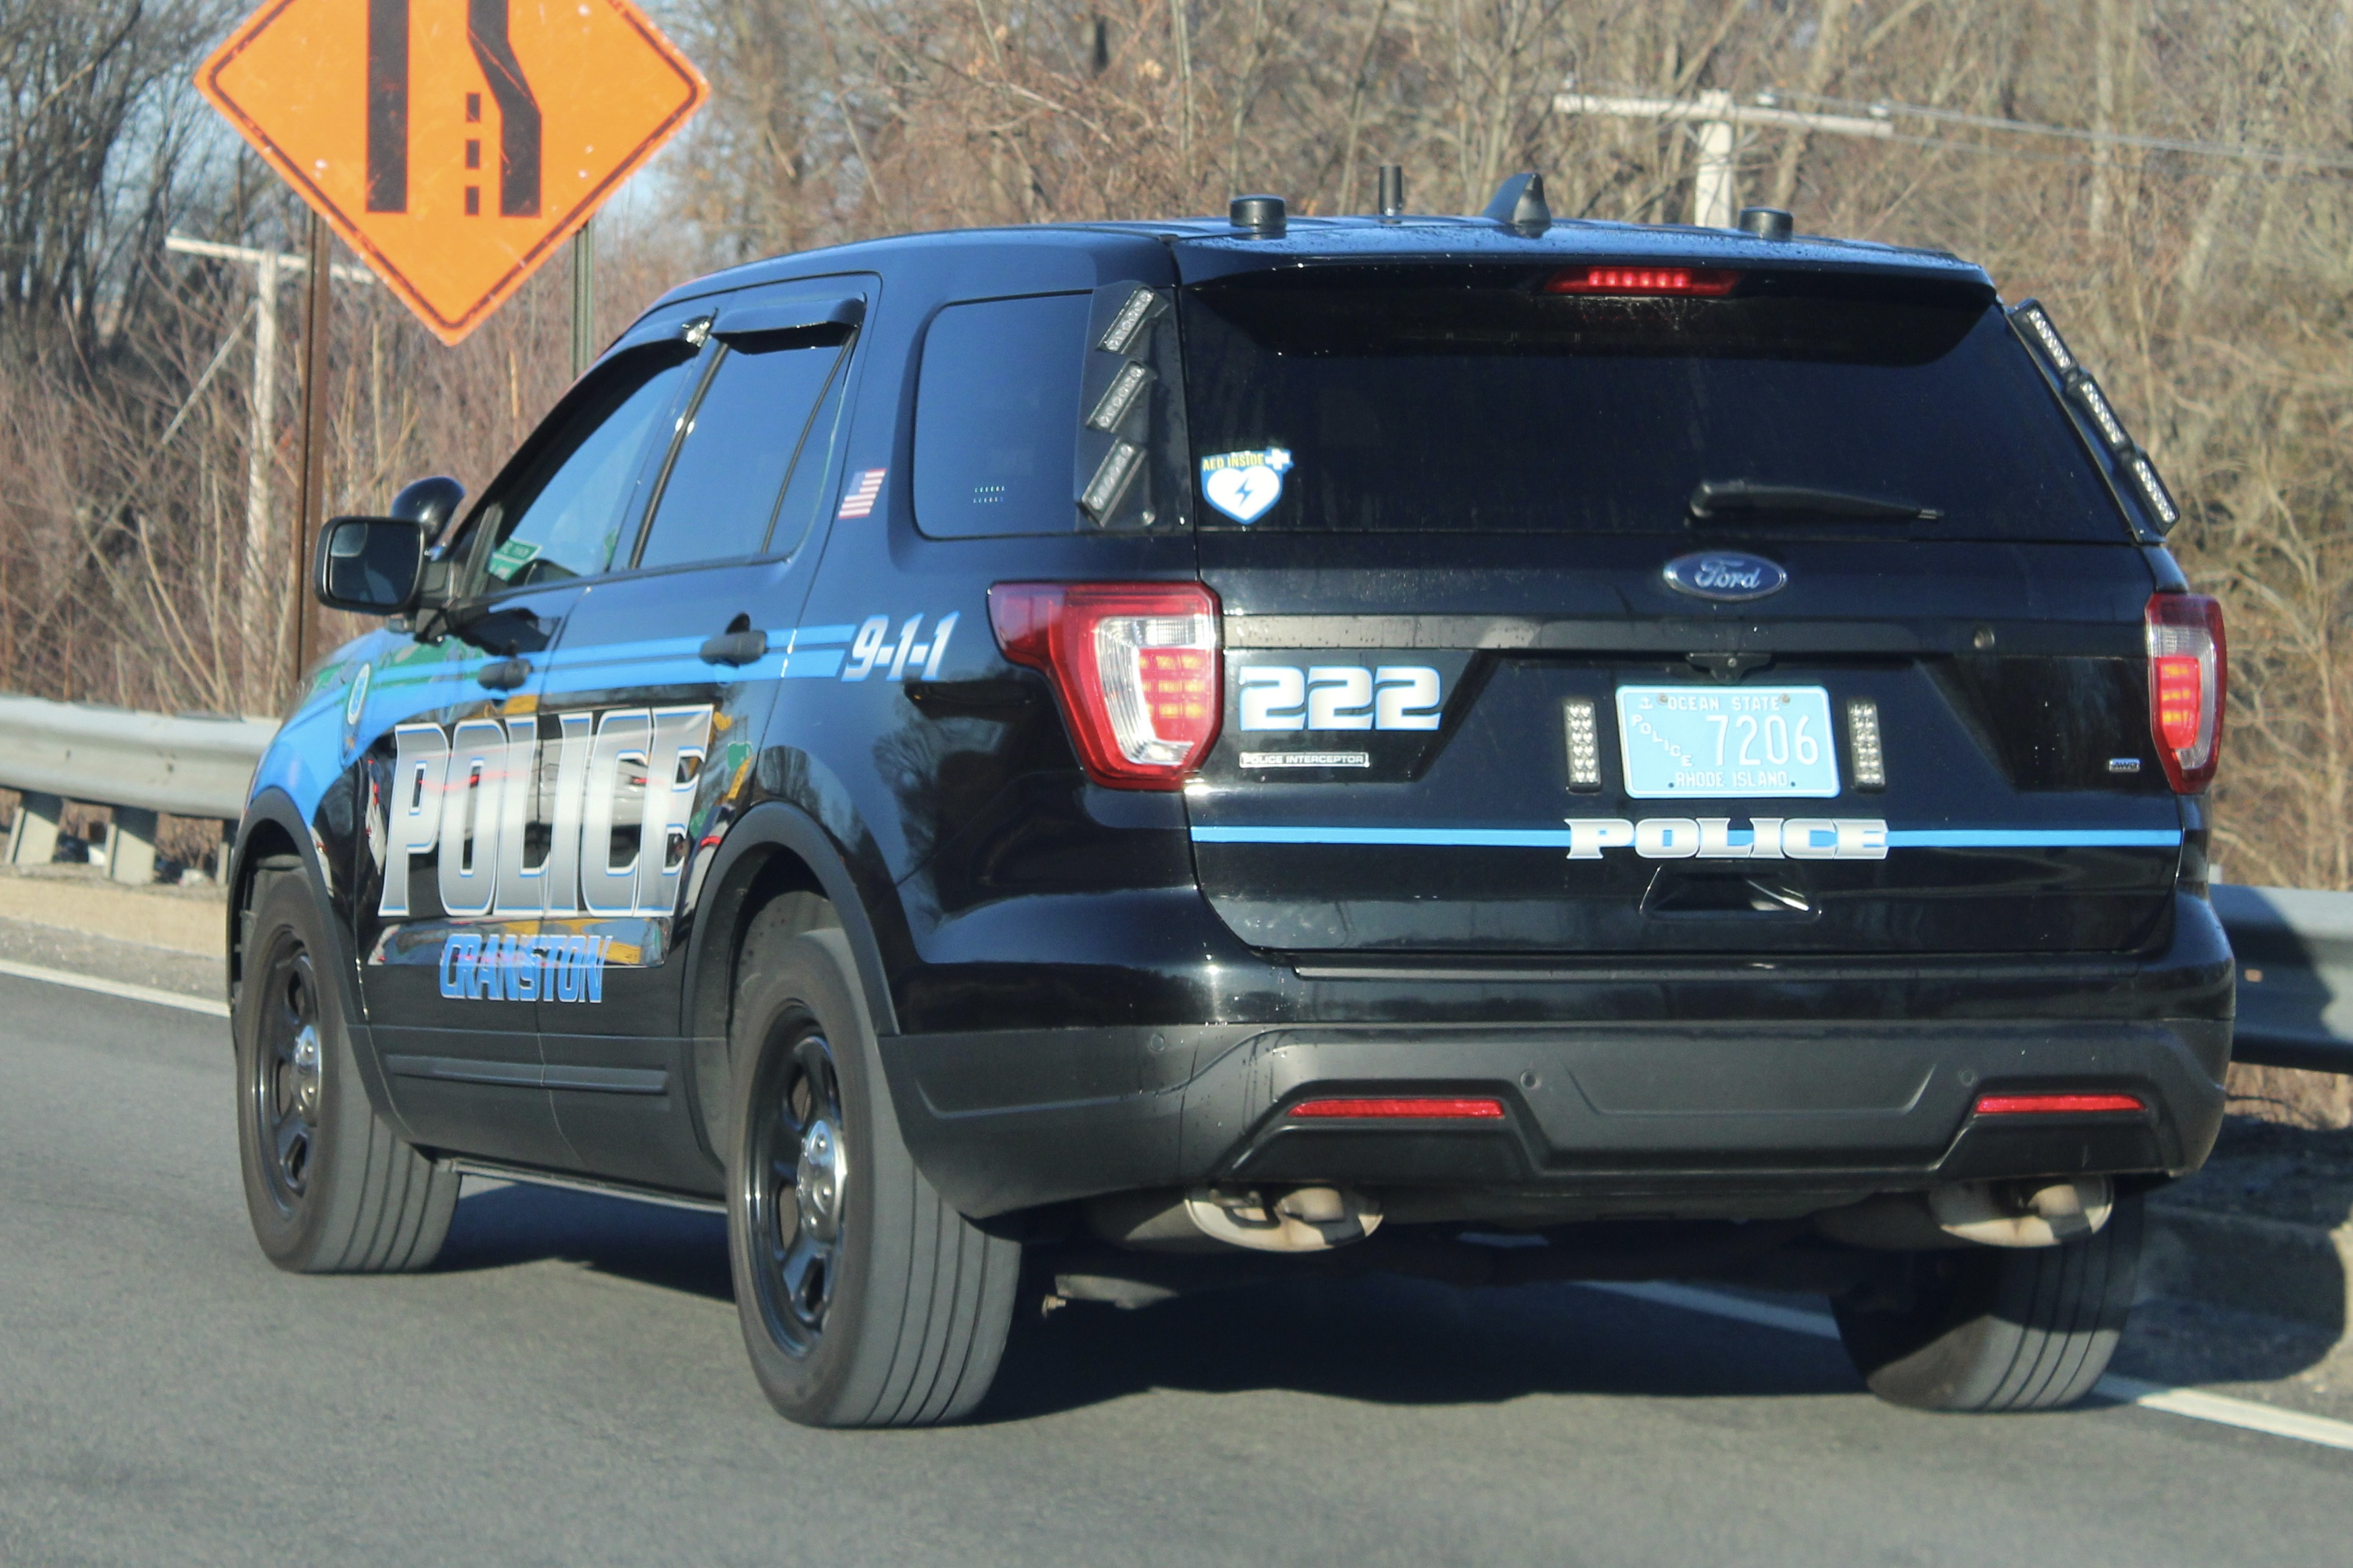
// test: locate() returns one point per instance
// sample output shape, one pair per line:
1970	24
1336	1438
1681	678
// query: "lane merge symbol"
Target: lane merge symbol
454	144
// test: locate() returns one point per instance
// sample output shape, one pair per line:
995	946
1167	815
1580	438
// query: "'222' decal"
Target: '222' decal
1339	697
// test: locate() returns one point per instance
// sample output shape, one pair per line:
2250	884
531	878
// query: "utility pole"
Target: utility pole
1716	122
271	268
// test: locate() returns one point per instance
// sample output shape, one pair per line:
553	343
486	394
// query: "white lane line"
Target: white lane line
2247	1413
2197	1405
1821	1325
210	1006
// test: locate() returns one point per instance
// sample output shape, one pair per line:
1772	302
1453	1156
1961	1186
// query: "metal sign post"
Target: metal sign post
583	298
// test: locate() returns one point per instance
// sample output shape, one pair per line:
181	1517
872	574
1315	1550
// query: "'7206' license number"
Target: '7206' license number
1726	743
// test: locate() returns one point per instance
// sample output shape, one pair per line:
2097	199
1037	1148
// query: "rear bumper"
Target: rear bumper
1599	1119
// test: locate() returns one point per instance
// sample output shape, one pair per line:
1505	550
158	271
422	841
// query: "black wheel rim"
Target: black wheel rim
795	1179
286	1082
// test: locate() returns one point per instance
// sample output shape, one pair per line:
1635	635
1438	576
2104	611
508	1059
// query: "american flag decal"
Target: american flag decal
859	501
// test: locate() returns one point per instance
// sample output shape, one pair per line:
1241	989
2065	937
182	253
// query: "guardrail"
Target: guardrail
140	765
2295	947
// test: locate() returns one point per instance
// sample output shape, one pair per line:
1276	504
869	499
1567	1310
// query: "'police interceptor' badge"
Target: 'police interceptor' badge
1242	485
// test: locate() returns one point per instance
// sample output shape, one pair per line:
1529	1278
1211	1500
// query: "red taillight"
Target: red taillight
2056	1104
1426	1107
1707	281
1135	666
2188	676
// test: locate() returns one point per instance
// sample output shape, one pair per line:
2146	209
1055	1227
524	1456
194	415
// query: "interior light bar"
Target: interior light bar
2153	493
1863	742
2094	402
2037	322
1584	744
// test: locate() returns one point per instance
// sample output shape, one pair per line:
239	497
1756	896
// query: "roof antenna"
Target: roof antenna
1520	203
1262	215
1392	190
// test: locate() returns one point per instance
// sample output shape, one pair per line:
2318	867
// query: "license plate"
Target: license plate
1726	743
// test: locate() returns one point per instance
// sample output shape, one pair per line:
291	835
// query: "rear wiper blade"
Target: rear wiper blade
1714	500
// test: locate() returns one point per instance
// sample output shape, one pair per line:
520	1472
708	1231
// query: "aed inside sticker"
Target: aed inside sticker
1243	485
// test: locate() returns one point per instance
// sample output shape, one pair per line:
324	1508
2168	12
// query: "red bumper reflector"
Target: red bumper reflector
1426	1107
2056	1104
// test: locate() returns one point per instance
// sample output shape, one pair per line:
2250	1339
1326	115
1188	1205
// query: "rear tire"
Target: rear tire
330	1188
2002	1329
865	1299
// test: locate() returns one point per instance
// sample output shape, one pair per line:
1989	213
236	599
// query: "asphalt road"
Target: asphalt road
570	1388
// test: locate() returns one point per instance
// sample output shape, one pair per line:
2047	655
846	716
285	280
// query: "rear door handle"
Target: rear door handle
504	676
737	647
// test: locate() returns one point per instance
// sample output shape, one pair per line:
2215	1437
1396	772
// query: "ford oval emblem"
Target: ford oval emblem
1726	575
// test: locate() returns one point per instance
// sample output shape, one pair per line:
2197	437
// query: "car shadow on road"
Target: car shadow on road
503	1225
1387	1340
1376	1337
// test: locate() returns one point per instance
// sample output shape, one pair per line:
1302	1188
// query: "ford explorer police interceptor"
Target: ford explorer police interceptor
1188	752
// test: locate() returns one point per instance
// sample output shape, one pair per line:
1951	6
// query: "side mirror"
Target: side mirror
432	502
370	565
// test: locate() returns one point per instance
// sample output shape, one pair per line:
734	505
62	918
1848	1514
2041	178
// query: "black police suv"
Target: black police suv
1488	747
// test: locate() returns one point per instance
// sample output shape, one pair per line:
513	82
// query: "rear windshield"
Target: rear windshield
1467	399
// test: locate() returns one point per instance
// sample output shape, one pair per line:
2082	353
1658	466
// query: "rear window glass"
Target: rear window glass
1433	398
997	416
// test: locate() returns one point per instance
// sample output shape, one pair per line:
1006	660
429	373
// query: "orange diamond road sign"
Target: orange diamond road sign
455	144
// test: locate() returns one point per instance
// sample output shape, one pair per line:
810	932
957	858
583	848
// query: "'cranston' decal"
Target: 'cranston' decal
475	968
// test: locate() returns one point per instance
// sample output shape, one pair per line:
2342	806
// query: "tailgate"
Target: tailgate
1531	744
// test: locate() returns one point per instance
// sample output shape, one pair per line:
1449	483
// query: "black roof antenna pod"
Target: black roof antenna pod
1520	203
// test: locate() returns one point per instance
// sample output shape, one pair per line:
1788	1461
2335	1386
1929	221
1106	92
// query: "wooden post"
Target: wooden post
318	323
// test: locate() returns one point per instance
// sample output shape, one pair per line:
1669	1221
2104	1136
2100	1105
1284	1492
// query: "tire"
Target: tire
865	1299
2002	1329
330	1187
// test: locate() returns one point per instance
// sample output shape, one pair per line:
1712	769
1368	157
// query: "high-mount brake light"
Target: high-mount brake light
1135	665
2188	679
1706	282
2058	1104
1403	1108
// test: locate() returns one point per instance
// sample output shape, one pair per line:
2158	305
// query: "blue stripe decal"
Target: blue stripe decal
2034	838
818	663
1558	838
1449	837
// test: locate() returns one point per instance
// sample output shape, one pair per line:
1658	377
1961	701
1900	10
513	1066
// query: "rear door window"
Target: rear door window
754	416
997	417
1432	399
